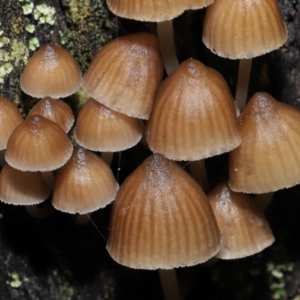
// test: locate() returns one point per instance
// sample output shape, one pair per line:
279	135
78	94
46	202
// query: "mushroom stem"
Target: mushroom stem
243	83
81	219
198	172
2	158
169	284
49	178
167	47
107	157
263	200
40	211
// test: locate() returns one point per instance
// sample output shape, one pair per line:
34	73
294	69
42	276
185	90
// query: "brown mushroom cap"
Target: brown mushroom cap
239	29
84	184
38	144
99	128
22	188
268	158
193	115
10	118
155	10
55	110
125	74
244	228
161	219
51	71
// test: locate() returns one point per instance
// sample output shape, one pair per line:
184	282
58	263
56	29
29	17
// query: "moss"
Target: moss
85	32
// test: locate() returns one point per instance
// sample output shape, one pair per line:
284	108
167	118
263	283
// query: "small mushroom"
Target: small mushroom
51	71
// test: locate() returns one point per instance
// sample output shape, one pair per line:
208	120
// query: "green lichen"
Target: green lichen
30	28
4	41
44	14
33	43
15	55
15	281
277	279
5	69
27	6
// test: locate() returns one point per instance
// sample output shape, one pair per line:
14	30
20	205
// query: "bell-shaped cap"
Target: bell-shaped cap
193	115
22	188
244	228
125	74
99	128
239	29
161	219
51	71
10	118
55	110
268	158
84	184
38	144
155	10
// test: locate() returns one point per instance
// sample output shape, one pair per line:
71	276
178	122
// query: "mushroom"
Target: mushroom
125	74
244	228
161	219
10	118
55	110
22	188
242	29
99	128
84	184
194	115
52	72
38	144
268	158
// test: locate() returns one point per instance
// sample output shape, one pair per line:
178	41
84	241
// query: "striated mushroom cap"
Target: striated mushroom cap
155	10
10	118
239	29
84	184
99	128
22	188
268	158
161	219
55	110
193	115
125	74
51	71
244	228
38	144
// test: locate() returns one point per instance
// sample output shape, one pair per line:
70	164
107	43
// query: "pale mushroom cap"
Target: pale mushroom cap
10	118
38	144
193	115
84	184
268	158
22	188
155	10
161	219
51	71
240	29
125	74
244	228
55	110
99	128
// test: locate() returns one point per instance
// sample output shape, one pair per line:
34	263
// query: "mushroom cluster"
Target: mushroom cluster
161	218
40	145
